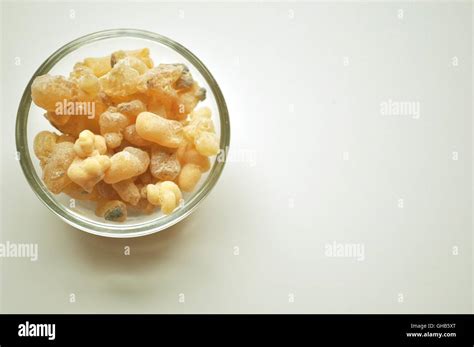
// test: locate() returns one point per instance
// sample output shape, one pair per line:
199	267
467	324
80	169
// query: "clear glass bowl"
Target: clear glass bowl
30	121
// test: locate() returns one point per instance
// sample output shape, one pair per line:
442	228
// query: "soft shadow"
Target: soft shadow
108	254
110	276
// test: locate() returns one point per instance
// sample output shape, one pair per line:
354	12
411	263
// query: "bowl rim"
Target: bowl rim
117	230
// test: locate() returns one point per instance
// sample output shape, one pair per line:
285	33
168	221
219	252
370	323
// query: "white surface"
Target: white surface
296	107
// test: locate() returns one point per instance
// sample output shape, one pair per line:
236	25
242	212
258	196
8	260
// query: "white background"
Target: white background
304	83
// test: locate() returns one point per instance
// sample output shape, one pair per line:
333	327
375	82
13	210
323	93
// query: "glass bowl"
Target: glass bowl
30	121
